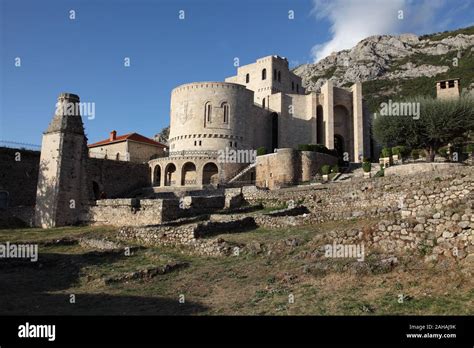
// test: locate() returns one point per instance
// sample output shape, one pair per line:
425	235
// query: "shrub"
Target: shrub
443	151
470	148
335	169
304	147
415	154
367	167
401	151
326	169
261	151
379	174
386	152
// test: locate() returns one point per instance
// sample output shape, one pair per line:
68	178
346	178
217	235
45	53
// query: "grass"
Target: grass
248	284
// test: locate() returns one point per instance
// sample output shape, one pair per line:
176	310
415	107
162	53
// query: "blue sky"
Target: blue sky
86	55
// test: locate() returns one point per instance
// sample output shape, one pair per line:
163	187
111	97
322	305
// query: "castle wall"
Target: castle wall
288	82
289	167
116	178
192	130
297	122
19	178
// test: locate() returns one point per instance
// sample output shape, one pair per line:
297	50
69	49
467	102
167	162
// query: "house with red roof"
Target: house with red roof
132	147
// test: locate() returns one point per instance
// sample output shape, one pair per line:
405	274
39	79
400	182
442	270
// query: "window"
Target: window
200	142
443	84
297	88
195	142
279	76
274	74
247	78
117	156
292	86
264	74
225	106
230	143
263	103
208	111
451	84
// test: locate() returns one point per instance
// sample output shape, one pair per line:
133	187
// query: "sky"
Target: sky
86	55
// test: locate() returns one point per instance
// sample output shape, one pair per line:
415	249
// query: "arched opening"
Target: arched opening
339	145
274	118
208	112
210	174
319	125
96	190
188	174
170	175
263	103
225	108
343	126
247	78
157	176
264	74
4	198
117	156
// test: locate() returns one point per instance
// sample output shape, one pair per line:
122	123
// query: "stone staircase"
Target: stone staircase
242	172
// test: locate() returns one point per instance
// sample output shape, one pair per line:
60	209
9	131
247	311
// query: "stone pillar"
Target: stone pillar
328	114
62	191
358	126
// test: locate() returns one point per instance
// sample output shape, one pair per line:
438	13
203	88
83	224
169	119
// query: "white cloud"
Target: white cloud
354	20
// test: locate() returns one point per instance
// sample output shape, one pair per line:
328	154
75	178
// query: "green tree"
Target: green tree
438	123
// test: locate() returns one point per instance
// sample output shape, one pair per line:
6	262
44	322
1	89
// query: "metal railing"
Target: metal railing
19	145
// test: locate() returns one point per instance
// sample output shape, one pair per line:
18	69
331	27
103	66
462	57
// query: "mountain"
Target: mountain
397	66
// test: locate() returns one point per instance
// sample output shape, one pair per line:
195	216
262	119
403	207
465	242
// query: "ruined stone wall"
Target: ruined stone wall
143	212
117	178
19	178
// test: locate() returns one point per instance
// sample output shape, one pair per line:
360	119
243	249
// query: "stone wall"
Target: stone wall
143	212
116	178
289	167
19	175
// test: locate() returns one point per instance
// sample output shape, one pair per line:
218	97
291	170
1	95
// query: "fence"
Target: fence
19	145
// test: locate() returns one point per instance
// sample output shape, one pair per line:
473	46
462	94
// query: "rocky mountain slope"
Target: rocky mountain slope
397	66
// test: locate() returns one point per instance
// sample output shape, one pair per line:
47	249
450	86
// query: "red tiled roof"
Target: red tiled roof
130	136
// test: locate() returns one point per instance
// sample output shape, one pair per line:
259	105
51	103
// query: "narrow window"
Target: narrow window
247	78
292	86
208	111
117	156
279	76
274	74
263	103
264	74
297	88
451	84
230	143
194	142
225	106
200	142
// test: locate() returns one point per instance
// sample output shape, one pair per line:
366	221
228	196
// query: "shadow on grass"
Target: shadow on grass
25	287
